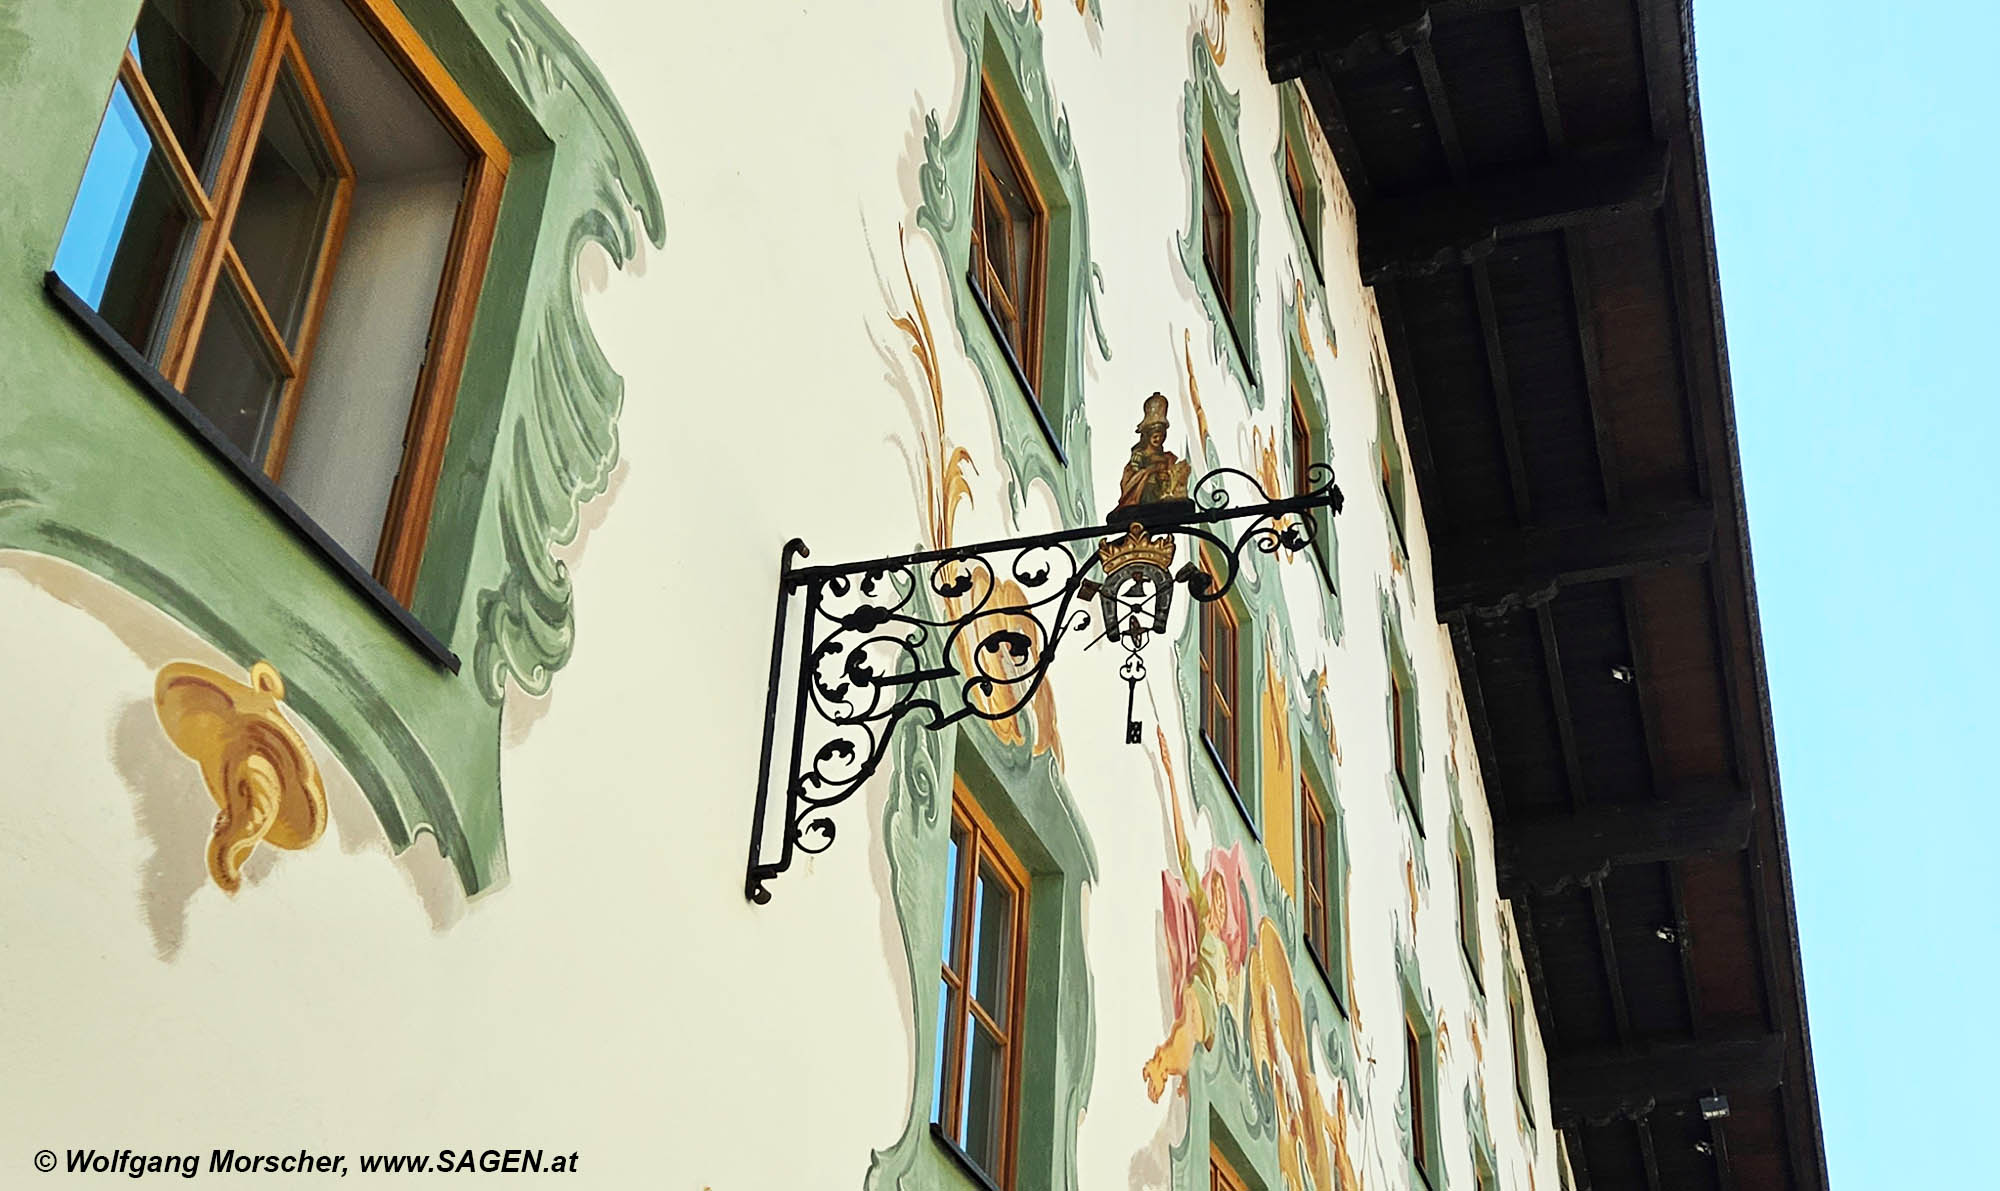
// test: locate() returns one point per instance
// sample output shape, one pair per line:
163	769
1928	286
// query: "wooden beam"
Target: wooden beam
1546	855
1492	574
1351	32
1631	1081
1414	235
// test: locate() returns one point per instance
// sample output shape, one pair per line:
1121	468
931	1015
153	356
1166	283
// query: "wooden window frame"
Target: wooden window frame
1303	443
1221	273
1295	187
983	843
406	531
1222	1175
1028	309
1316	875
209	255
1221	694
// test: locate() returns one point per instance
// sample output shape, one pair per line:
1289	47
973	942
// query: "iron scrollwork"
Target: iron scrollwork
969	632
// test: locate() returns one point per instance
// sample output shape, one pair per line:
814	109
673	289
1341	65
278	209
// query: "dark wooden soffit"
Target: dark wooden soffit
1533	213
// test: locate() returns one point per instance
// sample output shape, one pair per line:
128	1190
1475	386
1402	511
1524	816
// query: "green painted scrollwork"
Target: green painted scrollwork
559	438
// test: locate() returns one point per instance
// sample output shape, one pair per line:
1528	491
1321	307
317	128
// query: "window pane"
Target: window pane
993	943
287	199
234	380
120	251
985	1090
191	52
945	1045
954	859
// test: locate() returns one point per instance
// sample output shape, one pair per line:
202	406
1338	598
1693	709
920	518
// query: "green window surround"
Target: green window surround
1465	872
1404	722
1391	484
1304	192
533	435
1332	966
1517	1026
1307	387
1030	808
1211	115
1043	434
1421	1132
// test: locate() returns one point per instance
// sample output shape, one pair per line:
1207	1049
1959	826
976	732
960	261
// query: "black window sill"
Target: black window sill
1333	987
357	577
1410	800
964	1160
1020	373
1229	784
1472	969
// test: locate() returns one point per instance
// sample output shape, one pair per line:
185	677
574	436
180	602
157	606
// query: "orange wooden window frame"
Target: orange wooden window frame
213	257
213	209
406	530
1020	306
1220	665
1318	906
1218	245
1221	1175
1303	455
983	844
1295	185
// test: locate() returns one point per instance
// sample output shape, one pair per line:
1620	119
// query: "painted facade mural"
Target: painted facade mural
733	300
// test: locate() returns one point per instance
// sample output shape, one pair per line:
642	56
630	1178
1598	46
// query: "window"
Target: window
1307	198
1295	185
1402	733
286	213
1218	233
1221	664
1420	1106
1318	906
1303	454
1392	483
1467	880
1009	245
1518	1028
1221	1175
982	985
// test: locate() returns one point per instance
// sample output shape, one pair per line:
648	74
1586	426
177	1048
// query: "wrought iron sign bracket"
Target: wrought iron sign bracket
969	632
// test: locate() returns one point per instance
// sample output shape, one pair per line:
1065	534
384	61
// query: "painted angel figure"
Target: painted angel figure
1208	940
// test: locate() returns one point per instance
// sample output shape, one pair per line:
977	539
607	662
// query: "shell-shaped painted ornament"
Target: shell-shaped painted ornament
265	785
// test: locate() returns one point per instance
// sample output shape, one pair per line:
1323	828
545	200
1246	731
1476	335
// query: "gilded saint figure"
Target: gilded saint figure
1154	475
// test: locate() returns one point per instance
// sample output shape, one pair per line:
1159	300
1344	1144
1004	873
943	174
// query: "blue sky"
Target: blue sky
1850	153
